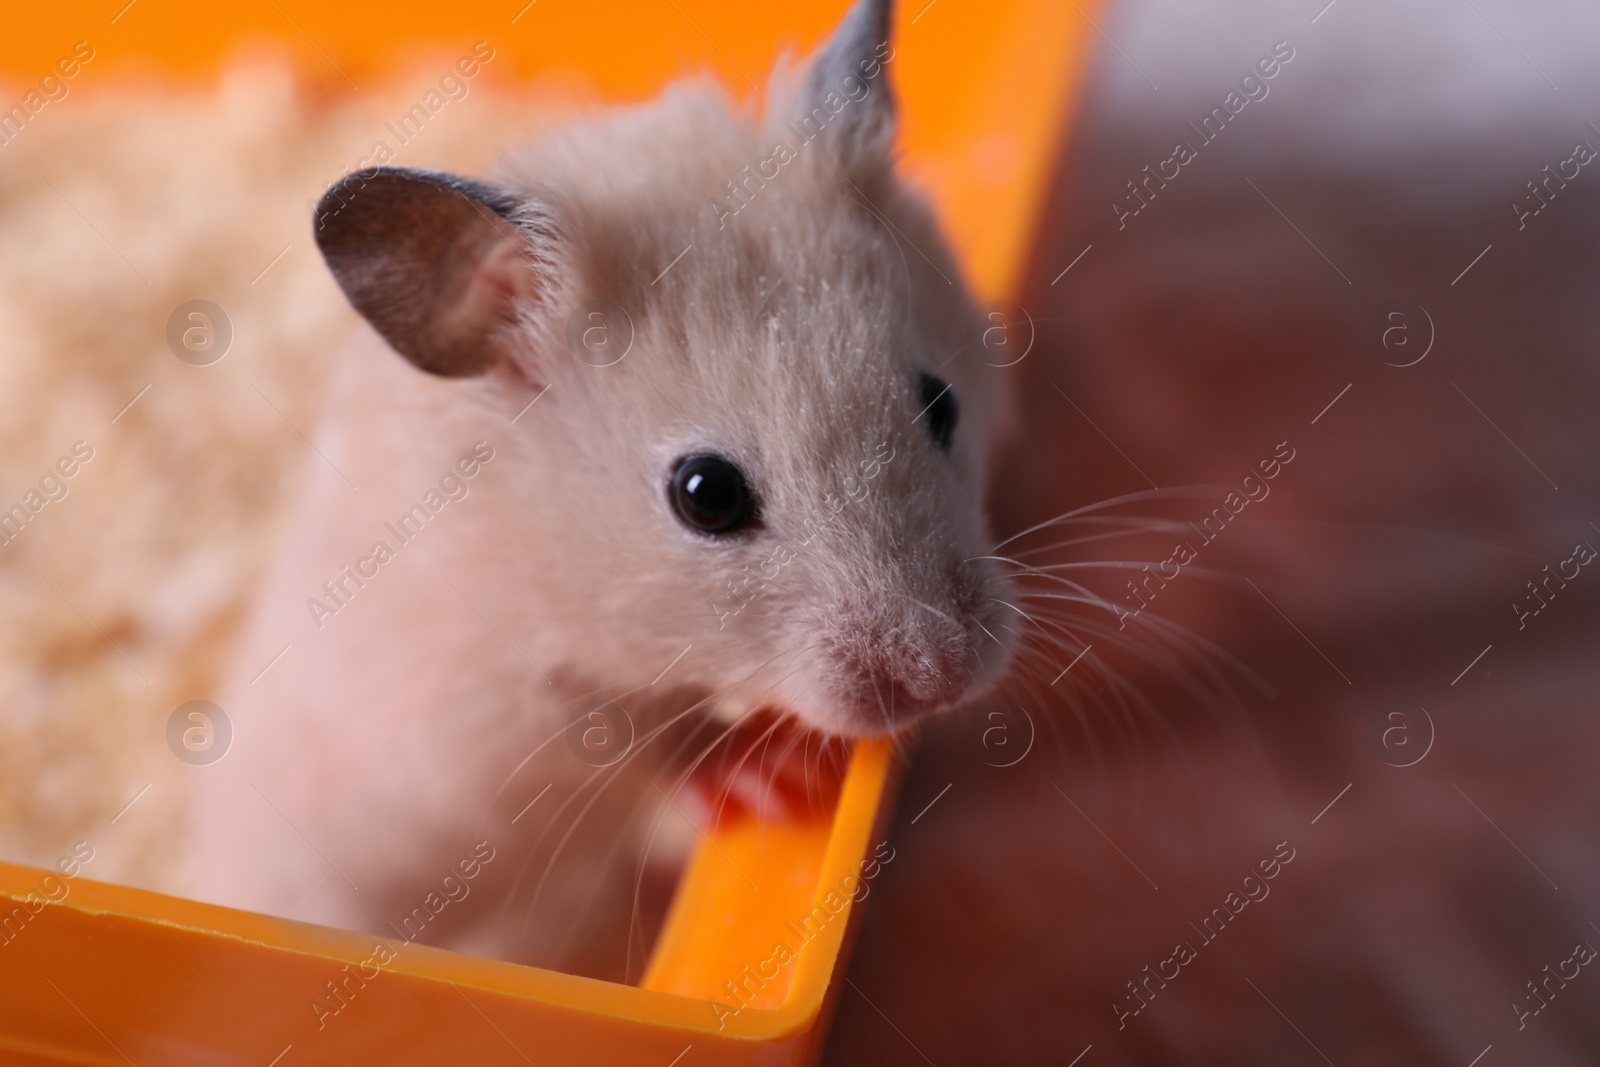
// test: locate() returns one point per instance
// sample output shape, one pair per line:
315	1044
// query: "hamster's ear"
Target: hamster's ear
435	262
845	99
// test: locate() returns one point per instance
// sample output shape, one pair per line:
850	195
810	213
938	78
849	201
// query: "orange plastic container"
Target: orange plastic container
111	975
108	975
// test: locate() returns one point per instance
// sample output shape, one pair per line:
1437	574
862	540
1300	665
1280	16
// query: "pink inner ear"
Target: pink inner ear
477	304
488	301
501	277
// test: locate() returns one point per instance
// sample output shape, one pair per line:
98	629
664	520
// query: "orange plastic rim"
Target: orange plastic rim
105	974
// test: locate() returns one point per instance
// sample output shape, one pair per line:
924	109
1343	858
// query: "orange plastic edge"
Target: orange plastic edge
92	972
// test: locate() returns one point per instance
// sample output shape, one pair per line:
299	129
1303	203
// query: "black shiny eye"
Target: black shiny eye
939	407
711	495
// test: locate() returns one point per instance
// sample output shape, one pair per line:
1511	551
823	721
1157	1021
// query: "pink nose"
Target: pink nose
901	692
898	701
890	659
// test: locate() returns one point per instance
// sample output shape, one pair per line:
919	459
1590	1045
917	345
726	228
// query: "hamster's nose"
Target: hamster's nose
886	659
899	678
898	701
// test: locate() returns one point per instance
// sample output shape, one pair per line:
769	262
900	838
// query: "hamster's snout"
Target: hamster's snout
908	686
891	659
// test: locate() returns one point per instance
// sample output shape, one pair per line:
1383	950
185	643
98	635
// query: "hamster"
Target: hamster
677	423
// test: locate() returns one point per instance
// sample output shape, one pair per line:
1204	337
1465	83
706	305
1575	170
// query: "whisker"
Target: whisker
929	607
1170	493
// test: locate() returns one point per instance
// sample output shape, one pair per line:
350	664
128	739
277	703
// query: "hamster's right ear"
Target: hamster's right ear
435	262
846	95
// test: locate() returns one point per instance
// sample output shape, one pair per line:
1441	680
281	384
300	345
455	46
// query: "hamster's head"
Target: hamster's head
770	396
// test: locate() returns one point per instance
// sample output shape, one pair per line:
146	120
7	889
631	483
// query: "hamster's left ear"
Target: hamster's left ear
437	263
845	101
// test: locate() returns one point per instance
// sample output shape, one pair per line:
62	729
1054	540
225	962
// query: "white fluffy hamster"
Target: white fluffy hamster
684	413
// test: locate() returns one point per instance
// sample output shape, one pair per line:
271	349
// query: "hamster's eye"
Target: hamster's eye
940	408
711	495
